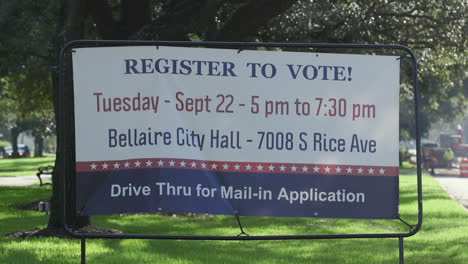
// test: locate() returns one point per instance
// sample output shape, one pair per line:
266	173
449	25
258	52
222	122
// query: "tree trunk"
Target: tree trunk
14	141
38	146
63	179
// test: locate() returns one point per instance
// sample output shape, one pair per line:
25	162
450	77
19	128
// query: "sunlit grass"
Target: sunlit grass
4	143
23	166
408	168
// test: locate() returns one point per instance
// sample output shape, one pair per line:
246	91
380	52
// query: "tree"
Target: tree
23	101
8	116
7	106
24	79
164	20
437	31
41	127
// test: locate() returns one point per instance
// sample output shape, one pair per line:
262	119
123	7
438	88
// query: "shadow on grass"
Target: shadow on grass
18	256
318	251
16	220
10	196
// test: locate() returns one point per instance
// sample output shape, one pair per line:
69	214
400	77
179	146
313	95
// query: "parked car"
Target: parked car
23	151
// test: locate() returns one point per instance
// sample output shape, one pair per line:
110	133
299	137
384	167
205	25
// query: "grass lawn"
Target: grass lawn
23	166
443	238
4	143
407	168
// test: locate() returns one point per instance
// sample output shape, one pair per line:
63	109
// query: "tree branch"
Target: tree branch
101	12
249	18
134	15
181	18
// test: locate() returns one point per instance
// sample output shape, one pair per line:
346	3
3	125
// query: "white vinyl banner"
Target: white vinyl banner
220	131
225	105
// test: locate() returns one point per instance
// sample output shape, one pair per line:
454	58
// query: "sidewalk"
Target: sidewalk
23	180
456	187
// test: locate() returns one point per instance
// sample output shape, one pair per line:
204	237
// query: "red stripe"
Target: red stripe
233	166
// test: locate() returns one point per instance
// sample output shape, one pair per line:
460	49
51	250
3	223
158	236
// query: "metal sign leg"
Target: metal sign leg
242	233
402	248
83	250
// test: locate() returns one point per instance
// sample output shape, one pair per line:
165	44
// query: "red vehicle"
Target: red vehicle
455	142
436	158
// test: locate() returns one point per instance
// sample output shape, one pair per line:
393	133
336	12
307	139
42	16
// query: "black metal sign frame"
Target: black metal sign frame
240	45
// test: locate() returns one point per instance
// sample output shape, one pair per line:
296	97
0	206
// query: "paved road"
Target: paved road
22	180
456	187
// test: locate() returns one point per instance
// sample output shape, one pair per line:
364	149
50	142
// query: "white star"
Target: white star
172	163
237	167
93	166
214	166
360	170
349	170
305	169
149	163
371	171
327	169
137	163
193	164
105	165
338	170
294	168
382	171
116	165
203	165
127	164
260	167
248	167
182	164
225	166
160	163
316	169
282	168
271	168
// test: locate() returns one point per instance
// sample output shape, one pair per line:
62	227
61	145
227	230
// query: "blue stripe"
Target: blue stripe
228	193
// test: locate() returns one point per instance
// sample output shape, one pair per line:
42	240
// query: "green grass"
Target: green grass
443	238
23	166
408	168
4	143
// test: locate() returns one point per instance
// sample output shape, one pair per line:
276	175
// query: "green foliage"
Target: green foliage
443	238
8	107
436	30
26	28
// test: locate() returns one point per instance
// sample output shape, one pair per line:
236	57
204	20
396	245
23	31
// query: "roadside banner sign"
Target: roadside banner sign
222	131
